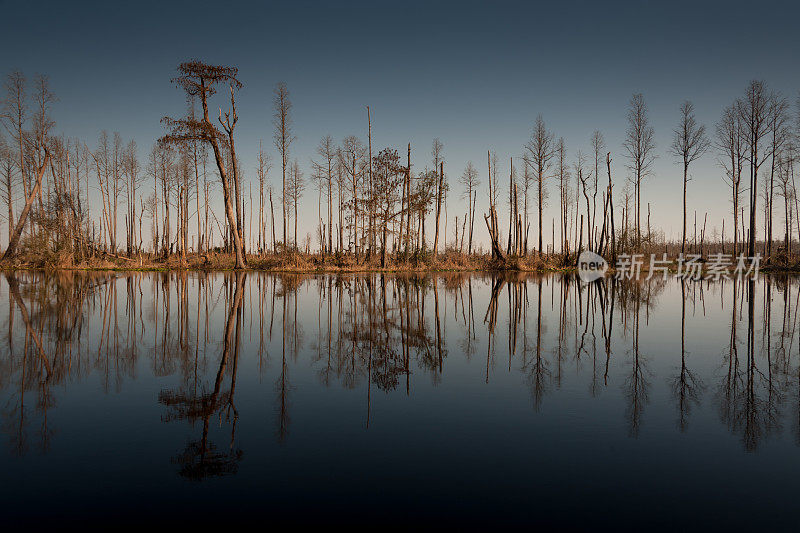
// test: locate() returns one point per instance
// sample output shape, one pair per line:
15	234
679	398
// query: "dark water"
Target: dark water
448	400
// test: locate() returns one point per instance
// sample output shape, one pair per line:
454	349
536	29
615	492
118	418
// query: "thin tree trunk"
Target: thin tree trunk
438	212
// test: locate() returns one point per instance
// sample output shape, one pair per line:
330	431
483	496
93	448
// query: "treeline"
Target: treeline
65	201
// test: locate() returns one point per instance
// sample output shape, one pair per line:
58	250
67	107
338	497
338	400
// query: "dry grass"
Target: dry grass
450	260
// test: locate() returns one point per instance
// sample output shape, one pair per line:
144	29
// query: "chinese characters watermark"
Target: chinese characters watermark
688	267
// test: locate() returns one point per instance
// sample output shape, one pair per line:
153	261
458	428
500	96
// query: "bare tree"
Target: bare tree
583	182
469	179
528	181
730	145
779	126
152	171
438	163
441	195
182	191
130	171
538	152
564	192
437	149
283	137
754	111
318	179
263	166
39	145
369	196
199	155
113	185
295	188
167	166
7	168
598	146
783	174
14	119
689	143
326	167
494	186
640	146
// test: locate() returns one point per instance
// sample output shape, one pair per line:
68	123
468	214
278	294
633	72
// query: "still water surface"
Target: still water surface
383	400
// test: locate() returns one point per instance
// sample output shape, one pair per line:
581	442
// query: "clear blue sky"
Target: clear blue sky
473	74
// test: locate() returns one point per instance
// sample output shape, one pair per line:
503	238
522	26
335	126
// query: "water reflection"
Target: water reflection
201	457
380	334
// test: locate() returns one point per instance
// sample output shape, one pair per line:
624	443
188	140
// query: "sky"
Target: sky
474	74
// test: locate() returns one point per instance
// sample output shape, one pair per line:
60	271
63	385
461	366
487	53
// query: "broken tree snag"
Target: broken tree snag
491	225
580	243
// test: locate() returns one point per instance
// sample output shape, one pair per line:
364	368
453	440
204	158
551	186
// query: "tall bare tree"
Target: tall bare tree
779	126
469	179
441	191
325	167
689	143
640	146
564	193
8	172
130	171
295	187
263	166
584	184
39	144
598	146
528	182
437	147
539	150
283	137
730	146
494	186
754	109
14	117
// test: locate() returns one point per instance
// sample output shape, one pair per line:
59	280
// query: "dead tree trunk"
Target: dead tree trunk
438	209
611	210
14	240
494	234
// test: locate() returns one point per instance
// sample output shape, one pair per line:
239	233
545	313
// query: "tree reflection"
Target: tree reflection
685	385
537	372
750	397
379	334
202	458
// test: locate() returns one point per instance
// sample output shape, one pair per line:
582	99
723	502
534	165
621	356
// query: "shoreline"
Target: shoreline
332	264
336	270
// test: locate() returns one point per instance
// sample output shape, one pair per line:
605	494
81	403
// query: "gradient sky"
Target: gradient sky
473	74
